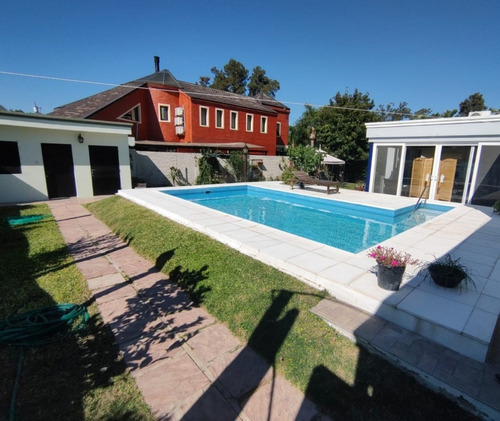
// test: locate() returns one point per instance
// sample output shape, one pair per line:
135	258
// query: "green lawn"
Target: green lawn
270	310
80	378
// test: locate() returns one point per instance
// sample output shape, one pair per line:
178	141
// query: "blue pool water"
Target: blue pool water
347	226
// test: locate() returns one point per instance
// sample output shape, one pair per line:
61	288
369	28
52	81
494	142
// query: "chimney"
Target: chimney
157	64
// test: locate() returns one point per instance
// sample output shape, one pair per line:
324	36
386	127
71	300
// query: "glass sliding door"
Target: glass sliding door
487	183
387	165
452	180
417	171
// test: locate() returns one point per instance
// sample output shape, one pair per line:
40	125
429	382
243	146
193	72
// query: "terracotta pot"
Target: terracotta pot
390	278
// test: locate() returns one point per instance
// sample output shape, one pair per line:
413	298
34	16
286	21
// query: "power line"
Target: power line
114	85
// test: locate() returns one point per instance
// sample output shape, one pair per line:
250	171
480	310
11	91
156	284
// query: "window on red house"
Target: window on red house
219	119
204	116
263	124
234	120
249	122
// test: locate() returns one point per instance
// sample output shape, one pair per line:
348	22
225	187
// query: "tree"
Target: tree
391	113
340	129
304	158
233	77
474	102
204	81
259	82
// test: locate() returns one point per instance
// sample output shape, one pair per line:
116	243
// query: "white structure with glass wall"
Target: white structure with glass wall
447	159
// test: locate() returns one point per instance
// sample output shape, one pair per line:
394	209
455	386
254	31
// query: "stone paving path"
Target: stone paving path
436	365
187	365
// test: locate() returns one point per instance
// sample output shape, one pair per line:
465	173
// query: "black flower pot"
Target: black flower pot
445	276
390	278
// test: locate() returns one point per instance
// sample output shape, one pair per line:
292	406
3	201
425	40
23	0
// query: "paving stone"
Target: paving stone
134	324
387	336
112	309
172	382
469	371
149	349
113	292
189	320
212	342
207	405
170	302
105	281
150	279
241	372
95	267
427	363
279	400
370	329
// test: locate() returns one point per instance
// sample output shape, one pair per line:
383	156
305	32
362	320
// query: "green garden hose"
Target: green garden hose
40	327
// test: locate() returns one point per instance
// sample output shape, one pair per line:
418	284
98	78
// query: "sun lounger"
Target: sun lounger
302	178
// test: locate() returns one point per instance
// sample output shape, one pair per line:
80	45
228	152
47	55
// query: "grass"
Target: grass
270	311
80	378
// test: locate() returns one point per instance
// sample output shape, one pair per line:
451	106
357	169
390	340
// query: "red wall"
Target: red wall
151	128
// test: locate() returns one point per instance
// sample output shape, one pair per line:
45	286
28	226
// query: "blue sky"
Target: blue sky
429	53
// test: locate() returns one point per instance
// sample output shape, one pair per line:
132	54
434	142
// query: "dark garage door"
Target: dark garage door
105	169
59	172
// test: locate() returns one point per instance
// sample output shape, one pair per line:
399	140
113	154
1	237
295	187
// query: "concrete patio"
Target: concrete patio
463	320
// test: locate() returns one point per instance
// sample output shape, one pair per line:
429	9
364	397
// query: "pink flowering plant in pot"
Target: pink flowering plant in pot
391	266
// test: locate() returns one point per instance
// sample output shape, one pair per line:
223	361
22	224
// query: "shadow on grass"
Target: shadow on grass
56	378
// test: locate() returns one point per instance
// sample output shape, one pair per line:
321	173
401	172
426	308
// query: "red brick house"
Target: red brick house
177	116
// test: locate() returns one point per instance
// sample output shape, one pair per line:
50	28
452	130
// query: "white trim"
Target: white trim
251	122
263	127
138	105
231	113
278	128
208	116
160	106
217	110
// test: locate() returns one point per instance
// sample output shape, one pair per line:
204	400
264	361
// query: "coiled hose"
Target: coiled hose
40	327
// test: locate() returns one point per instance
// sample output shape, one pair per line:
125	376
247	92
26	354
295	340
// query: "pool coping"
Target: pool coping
468	232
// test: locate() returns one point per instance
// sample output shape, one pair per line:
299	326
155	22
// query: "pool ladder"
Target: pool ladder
420	200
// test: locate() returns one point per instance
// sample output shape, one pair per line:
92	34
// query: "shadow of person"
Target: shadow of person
243	375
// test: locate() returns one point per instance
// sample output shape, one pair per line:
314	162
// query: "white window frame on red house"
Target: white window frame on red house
132	112
249	123
219	111
278	129
207	124
235	120
263	124
161	107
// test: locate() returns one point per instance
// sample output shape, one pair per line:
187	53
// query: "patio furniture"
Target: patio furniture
302	178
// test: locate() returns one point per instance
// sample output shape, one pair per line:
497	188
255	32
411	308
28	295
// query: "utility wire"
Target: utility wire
114	85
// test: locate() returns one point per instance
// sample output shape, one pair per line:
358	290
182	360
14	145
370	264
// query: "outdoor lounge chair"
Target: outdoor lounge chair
302	178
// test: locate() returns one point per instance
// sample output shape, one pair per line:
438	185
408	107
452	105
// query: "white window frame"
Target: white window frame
160	107
263	124
235	114
208	115
221	111
251	123
278	129
130	109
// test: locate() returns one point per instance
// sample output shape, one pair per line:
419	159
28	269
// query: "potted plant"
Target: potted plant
496	206
449	273
391	266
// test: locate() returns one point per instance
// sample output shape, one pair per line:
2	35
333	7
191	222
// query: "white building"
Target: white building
43	157
448	159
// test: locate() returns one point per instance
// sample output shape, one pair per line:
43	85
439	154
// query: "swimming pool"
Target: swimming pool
347	226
